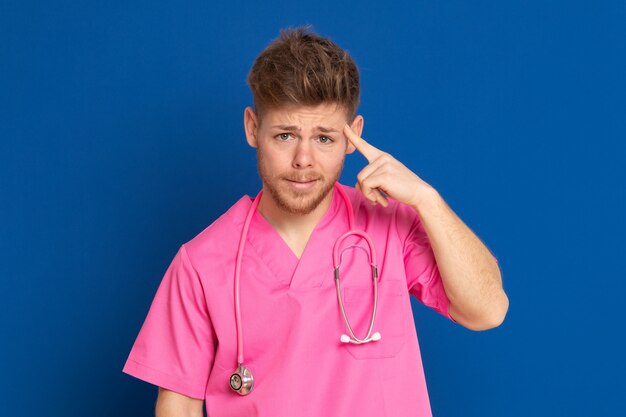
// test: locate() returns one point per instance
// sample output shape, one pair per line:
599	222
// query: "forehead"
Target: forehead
326	114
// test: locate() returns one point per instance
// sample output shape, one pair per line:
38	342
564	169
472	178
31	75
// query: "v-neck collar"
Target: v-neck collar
279	257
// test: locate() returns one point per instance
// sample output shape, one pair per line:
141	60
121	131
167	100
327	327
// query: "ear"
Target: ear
250	125
357	127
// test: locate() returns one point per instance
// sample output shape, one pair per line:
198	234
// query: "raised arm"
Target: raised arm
470	274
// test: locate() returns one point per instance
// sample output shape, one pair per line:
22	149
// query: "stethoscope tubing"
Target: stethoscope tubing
242	241
337	257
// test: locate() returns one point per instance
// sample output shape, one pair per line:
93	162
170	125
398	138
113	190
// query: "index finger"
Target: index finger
368	151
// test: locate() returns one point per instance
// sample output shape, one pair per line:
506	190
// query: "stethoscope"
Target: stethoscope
242	380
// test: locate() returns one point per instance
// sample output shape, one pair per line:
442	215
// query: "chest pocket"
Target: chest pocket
390	318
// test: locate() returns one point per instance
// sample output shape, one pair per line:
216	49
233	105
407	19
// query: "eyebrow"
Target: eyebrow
297	129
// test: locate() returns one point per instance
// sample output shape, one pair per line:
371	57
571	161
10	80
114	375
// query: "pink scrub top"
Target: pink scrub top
291	318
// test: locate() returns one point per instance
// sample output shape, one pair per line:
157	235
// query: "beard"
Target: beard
296	201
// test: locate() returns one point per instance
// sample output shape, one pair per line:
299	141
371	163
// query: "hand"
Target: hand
386	175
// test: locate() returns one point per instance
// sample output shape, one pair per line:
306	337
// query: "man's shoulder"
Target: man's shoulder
368	212
222	234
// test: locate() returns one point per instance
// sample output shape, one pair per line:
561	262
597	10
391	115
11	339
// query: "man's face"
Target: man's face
300	153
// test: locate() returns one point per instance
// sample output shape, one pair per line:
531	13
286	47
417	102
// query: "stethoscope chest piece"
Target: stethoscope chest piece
242	380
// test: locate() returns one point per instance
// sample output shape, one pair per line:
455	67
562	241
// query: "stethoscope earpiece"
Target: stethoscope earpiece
242	381
347	339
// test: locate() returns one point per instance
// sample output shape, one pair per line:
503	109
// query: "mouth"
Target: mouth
301	180
300	183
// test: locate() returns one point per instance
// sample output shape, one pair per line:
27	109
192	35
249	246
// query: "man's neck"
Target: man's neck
295	229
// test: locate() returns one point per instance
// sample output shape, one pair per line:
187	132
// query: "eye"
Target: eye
283	136
325	140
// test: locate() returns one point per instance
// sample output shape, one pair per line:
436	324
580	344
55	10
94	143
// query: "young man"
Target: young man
319	341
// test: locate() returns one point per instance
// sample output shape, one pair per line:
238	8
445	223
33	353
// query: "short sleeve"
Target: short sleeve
423	278
175	347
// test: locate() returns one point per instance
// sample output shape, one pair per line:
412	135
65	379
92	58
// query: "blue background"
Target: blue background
121	138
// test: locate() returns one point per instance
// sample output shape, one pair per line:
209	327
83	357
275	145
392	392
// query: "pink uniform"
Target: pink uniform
291	318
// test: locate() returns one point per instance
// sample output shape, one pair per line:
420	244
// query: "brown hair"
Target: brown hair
302	68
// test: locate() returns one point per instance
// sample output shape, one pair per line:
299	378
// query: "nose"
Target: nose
303	157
